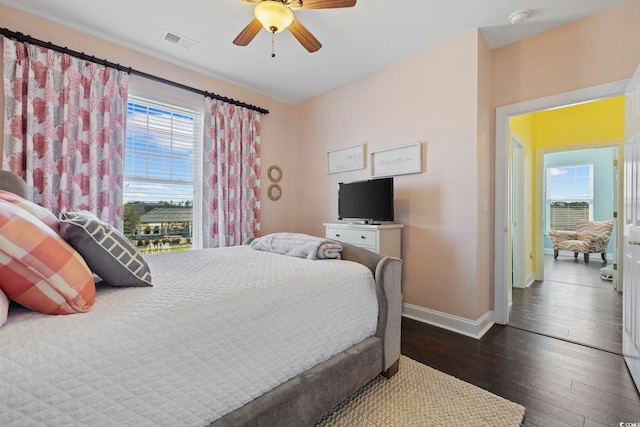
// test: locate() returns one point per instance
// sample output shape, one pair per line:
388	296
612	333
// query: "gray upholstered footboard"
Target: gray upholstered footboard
387	272
304	399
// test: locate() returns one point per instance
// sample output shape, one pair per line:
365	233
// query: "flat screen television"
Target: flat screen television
368	201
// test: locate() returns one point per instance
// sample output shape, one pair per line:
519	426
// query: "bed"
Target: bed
225	337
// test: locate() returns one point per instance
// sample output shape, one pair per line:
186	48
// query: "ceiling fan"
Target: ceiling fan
277	15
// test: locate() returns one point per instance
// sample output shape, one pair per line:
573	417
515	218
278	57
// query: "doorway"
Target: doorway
502	258
573	302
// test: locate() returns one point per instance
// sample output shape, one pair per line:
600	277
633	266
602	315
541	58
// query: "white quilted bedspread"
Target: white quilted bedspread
219	328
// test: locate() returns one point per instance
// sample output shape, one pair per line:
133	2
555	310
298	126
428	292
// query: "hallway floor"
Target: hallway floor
573	303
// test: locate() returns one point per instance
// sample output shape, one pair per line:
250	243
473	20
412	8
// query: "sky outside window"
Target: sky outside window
570	183
158	154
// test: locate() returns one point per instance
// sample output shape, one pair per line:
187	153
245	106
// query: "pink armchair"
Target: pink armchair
589	237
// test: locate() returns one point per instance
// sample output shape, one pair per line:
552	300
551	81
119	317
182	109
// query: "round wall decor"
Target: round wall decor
274	173
274	192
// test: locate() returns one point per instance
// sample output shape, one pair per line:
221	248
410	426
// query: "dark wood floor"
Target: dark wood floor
572	303
558	382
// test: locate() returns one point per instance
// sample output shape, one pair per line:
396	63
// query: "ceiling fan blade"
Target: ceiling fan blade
248	34
304	36
325	4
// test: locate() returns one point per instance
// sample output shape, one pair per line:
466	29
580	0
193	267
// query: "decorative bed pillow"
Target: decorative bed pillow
4	308
109	254
38	211
38	269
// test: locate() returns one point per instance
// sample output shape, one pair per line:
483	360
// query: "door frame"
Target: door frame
502	180
517	214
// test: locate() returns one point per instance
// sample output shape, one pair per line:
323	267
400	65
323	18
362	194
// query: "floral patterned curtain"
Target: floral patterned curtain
231	174
64	129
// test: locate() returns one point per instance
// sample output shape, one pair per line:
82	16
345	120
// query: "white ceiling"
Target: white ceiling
356	41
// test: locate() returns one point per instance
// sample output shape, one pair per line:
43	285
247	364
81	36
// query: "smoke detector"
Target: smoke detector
175	38
519	16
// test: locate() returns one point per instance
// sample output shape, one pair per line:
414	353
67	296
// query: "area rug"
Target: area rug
422	396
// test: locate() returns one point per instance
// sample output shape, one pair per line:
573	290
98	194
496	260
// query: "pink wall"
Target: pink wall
486	155
599	49
276	127
432	98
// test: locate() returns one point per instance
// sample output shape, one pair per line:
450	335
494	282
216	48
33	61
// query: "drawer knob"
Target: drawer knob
363	237
337	235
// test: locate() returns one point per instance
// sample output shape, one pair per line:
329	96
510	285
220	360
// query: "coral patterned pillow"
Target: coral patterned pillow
38	211
40	270
4	308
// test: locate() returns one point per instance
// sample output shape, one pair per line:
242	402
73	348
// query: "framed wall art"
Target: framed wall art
397	160
346	159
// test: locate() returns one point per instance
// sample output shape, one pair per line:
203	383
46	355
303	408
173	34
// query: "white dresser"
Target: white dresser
384	239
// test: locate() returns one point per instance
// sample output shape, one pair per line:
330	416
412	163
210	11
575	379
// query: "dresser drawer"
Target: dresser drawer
356	237
382	239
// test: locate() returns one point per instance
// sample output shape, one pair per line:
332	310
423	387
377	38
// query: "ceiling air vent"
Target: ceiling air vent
175	38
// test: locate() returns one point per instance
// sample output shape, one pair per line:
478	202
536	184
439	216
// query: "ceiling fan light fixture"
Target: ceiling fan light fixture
273	15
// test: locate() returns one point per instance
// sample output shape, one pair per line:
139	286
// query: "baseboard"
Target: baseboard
529	280
474	329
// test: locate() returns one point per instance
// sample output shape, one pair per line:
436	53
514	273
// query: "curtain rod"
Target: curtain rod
81	55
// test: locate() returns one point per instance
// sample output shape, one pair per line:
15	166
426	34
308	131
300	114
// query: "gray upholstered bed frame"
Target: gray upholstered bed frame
304	399
14	184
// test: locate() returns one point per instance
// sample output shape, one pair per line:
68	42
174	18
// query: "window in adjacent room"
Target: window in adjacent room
569	196
160	169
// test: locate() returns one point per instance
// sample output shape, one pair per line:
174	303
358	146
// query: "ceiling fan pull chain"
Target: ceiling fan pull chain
273	44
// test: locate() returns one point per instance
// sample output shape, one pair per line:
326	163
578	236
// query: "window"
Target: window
160	169
569	196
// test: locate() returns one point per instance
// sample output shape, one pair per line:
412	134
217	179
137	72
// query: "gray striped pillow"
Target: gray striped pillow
105	250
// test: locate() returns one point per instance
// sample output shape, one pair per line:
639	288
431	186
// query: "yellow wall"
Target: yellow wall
594	121
522	128
557	129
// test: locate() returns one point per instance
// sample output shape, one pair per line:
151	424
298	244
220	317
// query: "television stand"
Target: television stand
384	239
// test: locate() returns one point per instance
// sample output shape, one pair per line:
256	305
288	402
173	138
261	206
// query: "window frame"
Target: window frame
549	199
198	115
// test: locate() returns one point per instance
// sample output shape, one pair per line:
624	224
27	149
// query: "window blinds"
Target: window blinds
161	151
